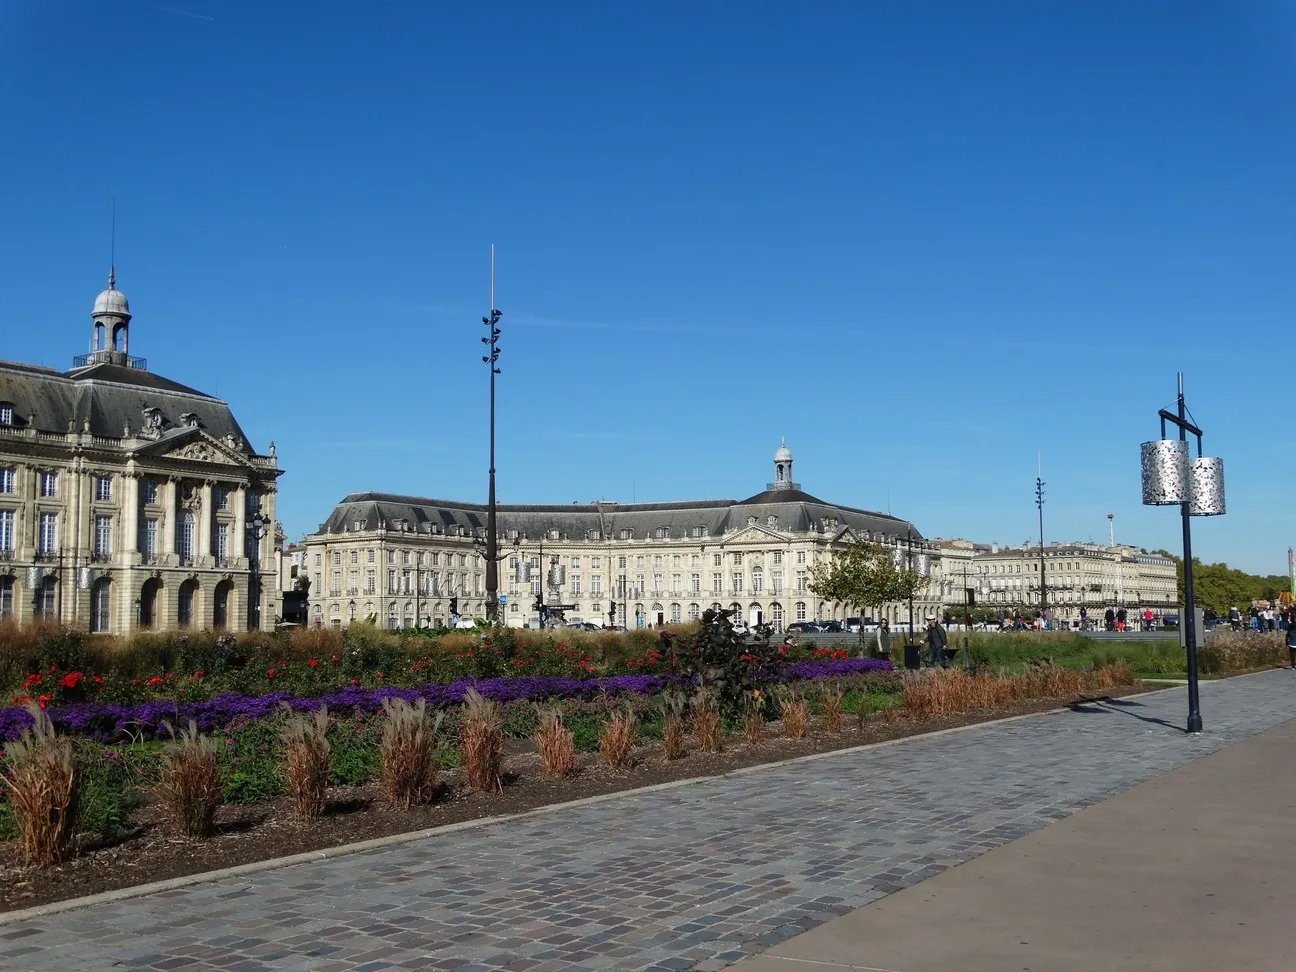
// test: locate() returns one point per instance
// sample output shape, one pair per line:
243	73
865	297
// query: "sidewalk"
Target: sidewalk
1193	870
704	875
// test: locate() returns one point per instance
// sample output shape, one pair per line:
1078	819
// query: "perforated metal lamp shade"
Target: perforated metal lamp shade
1206	486
1165	472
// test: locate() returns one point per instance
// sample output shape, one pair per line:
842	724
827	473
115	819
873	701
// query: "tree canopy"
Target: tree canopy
1220	587
864	573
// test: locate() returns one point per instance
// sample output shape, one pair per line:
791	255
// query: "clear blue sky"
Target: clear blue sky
919	240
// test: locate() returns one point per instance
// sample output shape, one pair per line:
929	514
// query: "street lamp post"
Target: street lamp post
492	564
1043	586
1196	486
256	528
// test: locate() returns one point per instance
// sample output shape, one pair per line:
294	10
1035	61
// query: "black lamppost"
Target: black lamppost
1196	486
1043	586
492	563
256	528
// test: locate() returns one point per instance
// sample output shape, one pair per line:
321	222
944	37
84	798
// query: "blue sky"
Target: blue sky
920	240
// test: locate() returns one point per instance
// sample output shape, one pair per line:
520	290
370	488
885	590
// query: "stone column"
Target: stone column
169	523
238	542
130	514
205	520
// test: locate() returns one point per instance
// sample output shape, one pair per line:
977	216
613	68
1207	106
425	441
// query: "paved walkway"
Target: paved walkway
1191	871
690	878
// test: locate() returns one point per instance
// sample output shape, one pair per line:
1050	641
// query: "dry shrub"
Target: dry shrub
306	761
795	715
937	692
315	642
617	738
1233	651
41	776
753	727
189	787
706	723
673	732
481	742
554	742
406	772
830	706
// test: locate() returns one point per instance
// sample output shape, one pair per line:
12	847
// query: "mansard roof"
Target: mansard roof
110	397
794	511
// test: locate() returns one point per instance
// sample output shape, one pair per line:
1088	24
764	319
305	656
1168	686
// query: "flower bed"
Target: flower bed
110	722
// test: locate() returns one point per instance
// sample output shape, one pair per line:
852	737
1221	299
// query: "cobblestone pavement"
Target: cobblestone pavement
688	878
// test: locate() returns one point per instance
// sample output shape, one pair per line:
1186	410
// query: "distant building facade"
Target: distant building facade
129	501
1088	576
401	560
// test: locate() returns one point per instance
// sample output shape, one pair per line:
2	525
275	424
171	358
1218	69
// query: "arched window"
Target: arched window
148	602
185	603
776	616
800	610
676	614
100	603
220	604
695	612
6	597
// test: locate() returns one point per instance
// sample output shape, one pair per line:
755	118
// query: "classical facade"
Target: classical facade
405	560
128	500
1077	575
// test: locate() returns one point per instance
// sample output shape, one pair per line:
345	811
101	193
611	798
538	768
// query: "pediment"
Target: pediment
756	533
195	445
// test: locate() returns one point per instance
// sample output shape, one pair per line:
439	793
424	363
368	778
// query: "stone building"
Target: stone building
401	560
1077	575
128	500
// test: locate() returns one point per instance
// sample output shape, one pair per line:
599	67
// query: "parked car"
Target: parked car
802	627
832	627
854	624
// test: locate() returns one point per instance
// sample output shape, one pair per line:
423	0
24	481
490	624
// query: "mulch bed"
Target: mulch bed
146	852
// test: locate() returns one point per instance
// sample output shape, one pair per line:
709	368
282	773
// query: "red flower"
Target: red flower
154	681
380	674
269	673
335	659
313	663
97	679
43	700
70	680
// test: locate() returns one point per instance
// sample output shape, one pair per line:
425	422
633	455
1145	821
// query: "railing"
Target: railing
46	556
110	357
101	557
6	555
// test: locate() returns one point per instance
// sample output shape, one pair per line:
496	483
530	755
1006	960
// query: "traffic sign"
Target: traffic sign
561	607
503	598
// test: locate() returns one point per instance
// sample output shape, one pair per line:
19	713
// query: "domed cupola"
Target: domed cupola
783	468
110	338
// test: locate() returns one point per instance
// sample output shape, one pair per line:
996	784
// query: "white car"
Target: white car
466	624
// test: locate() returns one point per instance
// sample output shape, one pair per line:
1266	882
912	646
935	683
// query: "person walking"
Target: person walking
884	638
936	643
1291	644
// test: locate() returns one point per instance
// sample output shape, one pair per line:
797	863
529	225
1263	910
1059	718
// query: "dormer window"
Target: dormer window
627	534
190	421
751	521
771	521
6	413
553	534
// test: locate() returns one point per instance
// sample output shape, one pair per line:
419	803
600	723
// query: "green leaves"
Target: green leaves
863	573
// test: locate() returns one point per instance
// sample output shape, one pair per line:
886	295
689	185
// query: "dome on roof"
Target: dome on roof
112	300
784	454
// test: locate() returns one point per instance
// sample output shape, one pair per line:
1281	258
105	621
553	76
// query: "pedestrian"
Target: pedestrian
1291	644
936	643
884	638
1110	619
1235	618
1084	619
1147	619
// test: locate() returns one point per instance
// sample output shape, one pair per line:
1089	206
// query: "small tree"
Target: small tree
864	573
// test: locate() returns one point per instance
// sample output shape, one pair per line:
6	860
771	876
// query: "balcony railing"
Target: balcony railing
101	557
46	556
110	357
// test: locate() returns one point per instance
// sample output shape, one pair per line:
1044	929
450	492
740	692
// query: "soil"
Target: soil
147	852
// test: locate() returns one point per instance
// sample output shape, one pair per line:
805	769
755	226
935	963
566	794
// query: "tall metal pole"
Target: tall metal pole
1039	502
492	551
1190	612
909	565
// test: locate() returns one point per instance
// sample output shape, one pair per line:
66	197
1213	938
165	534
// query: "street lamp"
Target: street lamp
1196	486
1043	586
256	528
492	564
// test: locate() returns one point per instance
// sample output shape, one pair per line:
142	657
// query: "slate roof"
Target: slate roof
796	512
109	396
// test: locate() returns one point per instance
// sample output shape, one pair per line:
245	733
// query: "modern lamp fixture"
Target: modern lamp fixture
1196	485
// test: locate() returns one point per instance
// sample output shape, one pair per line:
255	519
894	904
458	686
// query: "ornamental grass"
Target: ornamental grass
674	708
306	763
795	715
406	772
830	706
753	716
481	742
948	692
617	738
188	790
554	742
706	723
41	775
